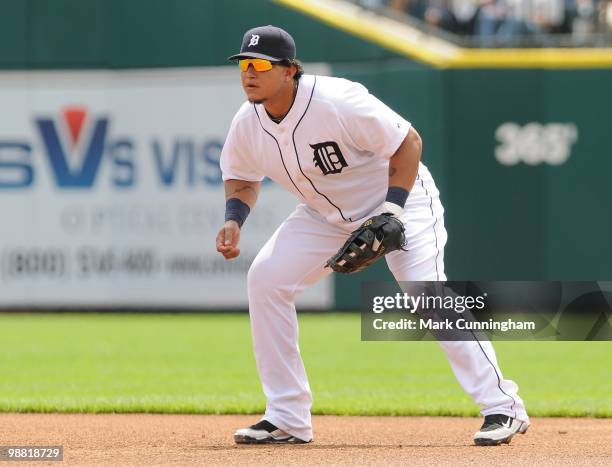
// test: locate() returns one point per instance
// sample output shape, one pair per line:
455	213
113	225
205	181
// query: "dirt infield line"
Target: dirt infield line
140	439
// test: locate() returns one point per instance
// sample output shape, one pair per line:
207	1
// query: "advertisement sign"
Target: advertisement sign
111	193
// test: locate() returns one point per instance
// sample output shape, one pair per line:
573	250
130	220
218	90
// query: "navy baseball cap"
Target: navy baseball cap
267	42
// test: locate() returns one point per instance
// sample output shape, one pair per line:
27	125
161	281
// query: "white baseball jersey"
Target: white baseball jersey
331	150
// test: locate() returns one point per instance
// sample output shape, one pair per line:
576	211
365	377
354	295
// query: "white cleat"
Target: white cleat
498	429
264	433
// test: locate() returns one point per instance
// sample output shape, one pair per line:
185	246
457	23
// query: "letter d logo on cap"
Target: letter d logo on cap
254	40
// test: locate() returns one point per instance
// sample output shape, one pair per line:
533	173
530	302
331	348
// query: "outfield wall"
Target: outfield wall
520	155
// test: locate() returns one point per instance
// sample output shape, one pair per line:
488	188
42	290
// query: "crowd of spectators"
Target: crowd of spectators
507	21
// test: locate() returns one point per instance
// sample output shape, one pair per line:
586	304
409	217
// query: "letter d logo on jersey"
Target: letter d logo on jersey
74	163
328	158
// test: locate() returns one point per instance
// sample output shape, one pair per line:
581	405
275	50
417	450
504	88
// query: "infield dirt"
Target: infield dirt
113	439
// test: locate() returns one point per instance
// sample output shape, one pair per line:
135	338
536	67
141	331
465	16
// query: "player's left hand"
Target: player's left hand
227	240
375	238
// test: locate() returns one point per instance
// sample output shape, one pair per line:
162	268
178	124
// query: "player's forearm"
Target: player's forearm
244	191
403	170
404	164
240	198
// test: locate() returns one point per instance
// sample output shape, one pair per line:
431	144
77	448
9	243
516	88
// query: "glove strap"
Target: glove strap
393	208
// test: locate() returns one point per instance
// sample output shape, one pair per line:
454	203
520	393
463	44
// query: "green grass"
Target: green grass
204	364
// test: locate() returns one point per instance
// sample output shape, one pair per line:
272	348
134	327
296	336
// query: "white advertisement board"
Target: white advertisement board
111	193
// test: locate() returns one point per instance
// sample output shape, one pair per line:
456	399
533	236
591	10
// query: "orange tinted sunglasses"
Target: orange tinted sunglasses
259	64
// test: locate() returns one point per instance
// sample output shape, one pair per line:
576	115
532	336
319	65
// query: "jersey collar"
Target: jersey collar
296	112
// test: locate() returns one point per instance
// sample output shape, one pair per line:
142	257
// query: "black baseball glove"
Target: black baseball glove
375	238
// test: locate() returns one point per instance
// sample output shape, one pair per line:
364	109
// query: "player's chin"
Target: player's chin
254	98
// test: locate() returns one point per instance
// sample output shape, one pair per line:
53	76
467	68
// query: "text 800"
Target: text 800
35	262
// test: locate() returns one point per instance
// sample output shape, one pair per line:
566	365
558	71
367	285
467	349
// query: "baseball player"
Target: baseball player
347	157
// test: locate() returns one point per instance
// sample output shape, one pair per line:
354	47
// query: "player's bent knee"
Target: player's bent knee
252	276
264	279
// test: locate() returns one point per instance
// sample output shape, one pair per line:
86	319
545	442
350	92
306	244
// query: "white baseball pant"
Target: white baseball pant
293	258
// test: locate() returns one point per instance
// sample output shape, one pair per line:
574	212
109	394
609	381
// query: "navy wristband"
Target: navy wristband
397	195
236	210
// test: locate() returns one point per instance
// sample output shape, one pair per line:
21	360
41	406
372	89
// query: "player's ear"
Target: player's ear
291	71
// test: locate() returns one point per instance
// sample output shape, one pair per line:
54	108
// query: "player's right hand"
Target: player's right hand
227	240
